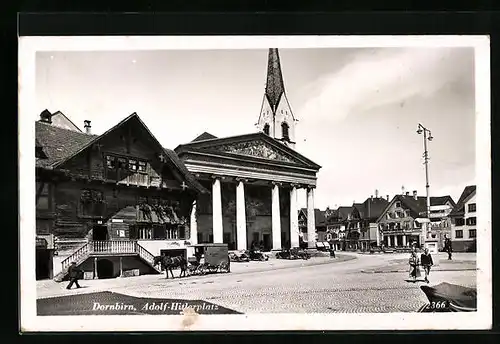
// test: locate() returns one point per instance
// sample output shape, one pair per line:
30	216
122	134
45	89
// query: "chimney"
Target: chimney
46	116
387	196
376	193
415	194
402	190
371	197
87	126
407	193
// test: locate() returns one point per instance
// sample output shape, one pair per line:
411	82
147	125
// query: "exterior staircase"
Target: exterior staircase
106	248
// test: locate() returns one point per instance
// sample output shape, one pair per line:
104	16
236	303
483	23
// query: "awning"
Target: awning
422	220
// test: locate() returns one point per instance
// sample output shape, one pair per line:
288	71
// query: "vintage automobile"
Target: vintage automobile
257	255
293	253
447	297
209	258
239	256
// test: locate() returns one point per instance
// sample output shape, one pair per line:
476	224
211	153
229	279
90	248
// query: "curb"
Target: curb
398	271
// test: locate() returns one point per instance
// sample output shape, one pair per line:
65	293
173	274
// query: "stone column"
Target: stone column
311	221
396	241
193	225
389	241
217	228
276	217
241	220
294	217
404	240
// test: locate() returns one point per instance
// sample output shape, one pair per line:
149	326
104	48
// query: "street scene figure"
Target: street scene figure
448	248
74	275
414	266
426	261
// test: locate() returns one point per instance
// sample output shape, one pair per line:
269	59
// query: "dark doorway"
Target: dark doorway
43	263
105	269
100	233
267	242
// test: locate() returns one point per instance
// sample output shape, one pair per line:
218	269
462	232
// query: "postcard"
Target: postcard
254	183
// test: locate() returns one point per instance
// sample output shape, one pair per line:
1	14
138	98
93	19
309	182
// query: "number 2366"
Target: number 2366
438	305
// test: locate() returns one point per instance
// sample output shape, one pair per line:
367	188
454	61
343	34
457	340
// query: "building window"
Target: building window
266	129
284	131
471	208
471	221
459	221
398	204
472	233
459	234
132	165
145	233
119	167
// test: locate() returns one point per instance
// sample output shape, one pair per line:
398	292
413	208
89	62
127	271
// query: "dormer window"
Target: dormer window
266	129
284	131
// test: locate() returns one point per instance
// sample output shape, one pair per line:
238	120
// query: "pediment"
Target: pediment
260	149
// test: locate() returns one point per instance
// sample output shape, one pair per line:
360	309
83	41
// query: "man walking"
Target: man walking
426	261
448	248
74	274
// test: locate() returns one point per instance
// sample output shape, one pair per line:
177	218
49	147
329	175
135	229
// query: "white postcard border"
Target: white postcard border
28	46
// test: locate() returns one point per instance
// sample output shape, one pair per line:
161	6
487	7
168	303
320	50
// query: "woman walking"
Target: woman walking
414	266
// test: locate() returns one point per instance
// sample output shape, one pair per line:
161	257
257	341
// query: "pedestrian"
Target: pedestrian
74	275
414	266
332	250
448	248
426	261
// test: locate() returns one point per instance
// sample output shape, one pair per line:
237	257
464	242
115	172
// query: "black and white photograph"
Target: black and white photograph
255	183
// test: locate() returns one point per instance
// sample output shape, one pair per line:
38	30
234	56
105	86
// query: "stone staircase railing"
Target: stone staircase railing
105	247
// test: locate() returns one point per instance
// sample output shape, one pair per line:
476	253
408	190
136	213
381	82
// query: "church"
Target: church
253	178
114	201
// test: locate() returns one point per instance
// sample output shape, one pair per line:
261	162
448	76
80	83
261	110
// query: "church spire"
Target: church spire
274	86
276	118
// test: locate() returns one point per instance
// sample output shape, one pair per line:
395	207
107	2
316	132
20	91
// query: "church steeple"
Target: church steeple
275	87
276	118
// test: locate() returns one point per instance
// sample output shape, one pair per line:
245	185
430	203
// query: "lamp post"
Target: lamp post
427	136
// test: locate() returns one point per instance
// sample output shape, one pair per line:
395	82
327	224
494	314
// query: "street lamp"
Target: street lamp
427	136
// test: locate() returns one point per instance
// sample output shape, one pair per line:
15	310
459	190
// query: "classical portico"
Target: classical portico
254	181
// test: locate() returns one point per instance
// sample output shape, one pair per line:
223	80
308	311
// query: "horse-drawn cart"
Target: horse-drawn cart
209	258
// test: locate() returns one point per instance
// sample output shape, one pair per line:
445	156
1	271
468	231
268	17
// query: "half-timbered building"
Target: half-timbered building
109	202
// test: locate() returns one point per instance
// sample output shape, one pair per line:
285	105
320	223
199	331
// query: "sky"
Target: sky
358	108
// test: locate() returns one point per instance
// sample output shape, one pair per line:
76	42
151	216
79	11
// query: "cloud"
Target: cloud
383	76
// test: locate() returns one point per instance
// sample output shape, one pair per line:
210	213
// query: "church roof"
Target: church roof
204	136
275	87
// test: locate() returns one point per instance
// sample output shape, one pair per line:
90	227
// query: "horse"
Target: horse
170	263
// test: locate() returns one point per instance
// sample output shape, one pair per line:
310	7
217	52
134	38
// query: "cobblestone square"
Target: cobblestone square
351	283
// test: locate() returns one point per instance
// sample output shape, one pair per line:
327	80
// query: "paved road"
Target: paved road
337	287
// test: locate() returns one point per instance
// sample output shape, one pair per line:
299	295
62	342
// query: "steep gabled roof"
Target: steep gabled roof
417	206
59	119
61	145
344	212
459	208
319	216
58	143
360	208
373	207
204	136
